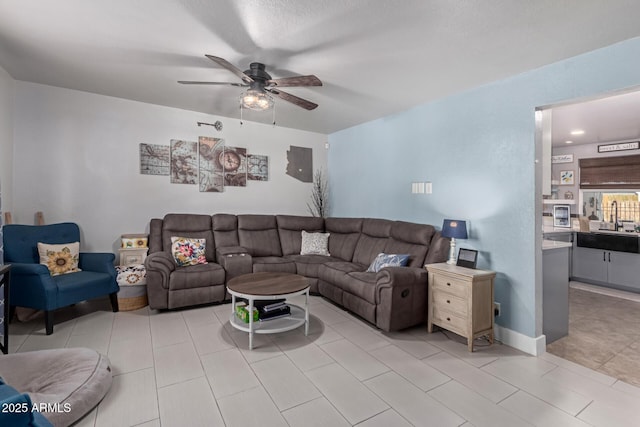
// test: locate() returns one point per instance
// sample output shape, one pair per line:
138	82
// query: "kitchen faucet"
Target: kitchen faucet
615	224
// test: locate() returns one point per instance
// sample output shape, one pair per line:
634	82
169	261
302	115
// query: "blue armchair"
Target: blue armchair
33	286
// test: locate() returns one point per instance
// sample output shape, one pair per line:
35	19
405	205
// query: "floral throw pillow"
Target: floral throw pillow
188	251
388	260
60	259
315	244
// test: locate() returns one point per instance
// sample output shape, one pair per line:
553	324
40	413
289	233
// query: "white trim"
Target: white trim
533	346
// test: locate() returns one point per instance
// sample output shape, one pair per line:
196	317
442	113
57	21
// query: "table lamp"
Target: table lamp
454	229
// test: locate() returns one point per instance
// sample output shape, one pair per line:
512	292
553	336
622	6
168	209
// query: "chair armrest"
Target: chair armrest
97	261
23	269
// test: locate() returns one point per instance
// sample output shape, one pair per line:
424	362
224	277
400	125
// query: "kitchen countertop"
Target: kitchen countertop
554	244
548	229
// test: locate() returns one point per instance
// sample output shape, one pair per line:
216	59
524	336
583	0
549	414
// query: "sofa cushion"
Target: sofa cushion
308	265
196	276
189	225
361	284
335	273
375	233
259	234
345	233
225	230
315	243
273	263
412	239
388	260
290	228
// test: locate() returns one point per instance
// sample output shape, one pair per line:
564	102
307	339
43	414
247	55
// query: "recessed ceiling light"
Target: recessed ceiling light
577	132
568	142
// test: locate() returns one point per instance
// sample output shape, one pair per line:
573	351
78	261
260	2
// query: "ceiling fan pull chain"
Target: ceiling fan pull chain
241	113
274	115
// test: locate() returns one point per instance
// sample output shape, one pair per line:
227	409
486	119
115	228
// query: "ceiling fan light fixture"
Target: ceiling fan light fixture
256	100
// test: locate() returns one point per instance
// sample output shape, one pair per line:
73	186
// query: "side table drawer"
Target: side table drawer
450	321
451	285
447	301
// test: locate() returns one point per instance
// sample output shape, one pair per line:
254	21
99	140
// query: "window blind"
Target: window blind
621	172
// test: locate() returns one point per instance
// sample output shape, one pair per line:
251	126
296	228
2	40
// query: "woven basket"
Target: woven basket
133	303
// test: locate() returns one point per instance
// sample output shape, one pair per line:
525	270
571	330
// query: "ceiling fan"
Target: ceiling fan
261	84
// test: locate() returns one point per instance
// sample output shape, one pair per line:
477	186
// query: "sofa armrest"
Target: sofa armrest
101	262
159	265
401	297
230	250
235	260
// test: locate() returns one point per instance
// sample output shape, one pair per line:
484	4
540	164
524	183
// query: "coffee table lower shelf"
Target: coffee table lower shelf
273	326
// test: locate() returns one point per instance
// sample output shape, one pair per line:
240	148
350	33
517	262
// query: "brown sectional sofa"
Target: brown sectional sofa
393	298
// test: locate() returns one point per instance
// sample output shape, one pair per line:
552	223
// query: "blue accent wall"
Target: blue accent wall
478	150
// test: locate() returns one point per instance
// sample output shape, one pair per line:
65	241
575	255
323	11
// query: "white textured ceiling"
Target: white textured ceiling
375	58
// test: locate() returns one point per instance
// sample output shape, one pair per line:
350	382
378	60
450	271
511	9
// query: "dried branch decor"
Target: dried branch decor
319	205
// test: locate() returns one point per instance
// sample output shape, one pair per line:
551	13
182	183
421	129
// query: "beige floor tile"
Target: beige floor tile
329	315
199	316
131	400
625	365
130	326
354	359
38	340
600	414
168	329
188	403
539	413
98	341
579	369
348	395
386	419
210	337
263	412
89	420
411	403
130	355
321	333
475	379
316	413
228	373
478	410
360	335
94	323
305	354
457	346
152	423
286	385
412	344
176	363
422	375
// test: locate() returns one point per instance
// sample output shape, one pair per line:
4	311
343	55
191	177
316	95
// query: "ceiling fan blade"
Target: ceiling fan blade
229	66
310	80
188	82
307	105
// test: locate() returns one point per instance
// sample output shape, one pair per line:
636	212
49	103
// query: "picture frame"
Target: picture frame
566	178
467	258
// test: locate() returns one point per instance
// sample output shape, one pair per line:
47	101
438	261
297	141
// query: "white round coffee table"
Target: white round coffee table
269	286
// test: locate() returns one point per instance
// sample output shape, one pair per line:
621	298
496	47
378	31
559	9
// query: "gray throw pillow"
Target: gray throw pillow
315	244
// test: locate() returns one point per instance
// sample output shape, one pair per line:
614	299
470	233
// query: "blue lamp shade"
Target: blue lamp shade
454	228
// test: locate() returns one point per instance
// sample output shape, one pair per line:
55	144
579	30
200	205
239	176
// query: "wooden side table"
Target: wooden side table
461	300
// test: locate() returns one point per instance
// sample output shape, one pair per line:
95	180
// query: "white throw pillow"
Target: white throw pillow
60	259
315	244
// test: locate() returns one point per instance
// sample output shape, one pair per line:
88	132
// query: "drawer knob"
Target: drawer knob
448	302
448	284
449	319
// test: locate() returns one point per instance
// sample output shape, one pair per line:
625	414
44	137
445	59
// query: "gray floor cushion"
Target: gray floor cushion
74	378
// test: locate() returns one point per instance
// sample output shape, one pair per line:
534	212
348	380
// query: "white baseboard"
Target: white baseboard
533	346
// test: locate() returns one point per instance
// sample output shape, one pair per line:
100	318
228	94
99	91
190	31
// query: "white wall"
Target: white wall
6	139
76	159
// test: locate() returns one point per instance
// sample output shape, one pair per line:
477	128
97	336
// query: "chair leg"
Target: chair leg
48	321
114	302
12	313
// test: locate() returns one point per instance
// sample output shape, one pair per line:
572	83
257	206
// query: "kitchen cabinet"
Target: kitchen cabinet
609	268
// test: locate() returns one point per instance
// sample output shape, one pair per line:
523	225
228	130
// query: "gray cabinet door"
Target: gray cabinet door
624	269
590	264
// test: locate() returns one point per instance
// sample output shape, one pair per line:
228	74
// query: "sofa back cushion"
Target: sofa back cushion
373	239
188	225
412	239
345	233
225	230
290	231
259	235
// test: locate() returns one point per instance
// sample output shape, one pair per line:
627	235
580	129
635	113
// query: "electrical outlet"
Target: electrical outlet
496	308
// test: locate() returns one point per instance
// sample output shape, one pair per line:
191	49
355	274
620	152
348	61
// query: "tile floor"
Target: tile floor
189	368
604	332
